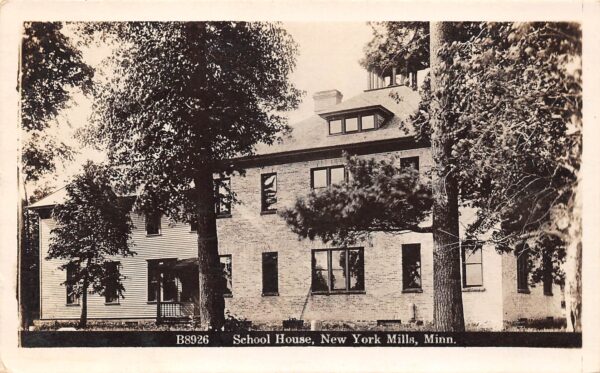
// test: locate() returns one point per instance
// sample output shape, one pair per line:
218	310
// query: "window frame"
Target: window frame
464	265
547	280
228	293
358	123
155	215
268	210
70	288
217	183
406	159
341	126
523	272
276	274
347	289
117	300
328	175
405	287
359	116
375	124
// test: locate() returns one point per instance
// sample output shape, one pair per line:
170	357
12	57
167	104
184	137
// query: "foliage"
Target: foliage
40	152
512	114
236	324
379	196
177	103
93	227
185	97
403	45
51	66
516	127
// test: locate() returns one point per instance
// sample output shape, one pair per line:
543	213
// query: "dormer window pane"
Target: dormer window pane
335	126
351	124
337	175
368	122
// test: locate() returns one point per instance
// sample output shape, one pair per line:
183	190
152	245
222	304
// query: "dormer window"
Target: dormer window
356	119
335	127
368	122
352	123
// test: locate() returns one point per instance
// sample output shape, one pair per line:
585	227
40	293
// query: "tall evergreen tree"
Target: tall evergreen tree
181	100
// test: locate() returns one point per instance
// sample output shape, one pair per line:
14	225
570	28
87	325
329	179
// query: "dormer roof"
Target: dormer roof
313	132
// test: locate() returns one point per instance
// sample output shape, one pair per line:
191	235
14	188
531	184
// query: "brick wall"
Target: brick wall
534	305
248	233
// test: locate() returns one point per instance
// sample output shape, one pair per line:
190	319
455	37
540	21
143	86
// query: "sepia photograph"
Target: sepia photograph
274	183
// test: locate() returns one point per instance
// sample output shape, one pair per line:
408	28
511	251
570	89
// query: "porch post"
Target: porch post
158	315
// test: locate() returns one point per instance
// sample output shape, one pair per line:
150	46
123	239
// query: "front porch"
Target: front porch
175	287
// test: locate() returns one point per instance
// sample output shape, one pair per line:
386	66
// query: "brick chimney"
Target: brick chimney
325	99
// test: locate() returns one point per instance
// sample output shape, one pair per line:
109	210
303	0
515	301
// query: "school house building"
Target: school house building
271	274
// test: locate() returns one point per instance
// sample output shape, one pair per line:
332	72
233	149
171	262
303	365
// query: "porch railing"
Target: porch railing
175	310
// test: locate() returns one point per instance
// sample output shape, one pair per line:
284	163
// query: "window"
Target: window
547	275
161	281
523	271
223	197
72	297
337	270
367	122
336	175
327	176
193	224
268	192
472	266
411	267
353	123
335	126
409	162
111	292
153	223
270	278
226	269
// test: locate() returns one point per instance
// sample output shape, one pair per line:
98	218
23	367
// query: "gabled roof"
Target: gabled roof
54	198
313	132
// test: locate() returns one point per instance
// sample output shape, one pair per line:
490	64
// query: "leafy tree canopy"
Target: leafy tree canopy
516	124
93	227
403	45
184	97
51	66
512	113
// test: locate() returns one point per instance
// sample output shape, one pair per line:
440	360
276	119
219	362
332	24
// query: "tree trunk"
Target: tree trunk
573	297
447	288
83	319
211	305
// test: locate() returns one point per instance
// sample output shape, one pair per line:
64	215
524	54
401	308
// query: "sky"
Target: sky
329	55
